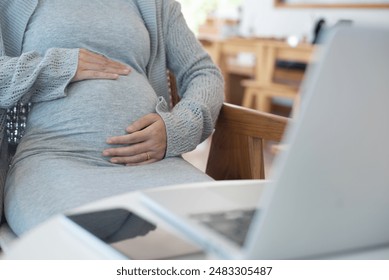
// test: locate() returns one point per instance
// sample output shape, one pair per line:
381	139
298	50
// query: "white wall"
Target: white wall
261	18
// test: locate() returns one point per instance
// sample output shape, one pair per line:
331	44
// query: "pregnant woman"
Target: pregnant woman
75	147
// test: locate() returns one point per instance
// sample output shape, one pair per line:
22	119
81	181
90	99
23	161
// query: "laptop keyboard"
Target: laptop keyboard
232	224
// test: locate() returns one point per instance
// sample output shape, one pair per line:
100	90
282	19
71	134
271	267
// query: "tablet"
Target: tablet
133	236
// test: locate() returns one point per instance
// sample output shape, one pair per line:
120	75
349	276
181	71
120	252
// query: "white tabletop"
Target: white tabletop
59	238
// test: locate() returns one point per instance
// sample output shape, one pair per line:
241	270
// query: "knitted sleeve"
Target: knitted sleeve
36	78
200	85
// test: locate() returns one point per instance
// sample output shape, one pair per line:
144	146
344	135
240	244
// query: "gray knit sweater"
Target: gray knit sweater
31	77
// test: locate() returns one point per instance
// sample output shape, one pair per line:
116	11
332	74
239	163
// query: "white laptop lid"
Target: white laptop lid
331	187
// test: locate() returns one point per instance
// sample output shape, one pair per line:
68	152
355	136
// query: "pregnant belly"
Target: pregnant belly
92	111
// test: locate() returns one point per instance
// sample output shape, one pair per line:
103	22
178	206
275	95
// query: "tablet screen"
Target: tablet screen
134	236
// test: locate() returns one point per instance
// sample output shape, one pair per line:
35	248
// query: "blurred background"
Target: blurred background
264	47
284	18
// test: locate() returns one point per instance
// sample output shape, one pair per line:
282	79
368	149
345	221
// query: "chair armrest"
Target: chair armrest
238	141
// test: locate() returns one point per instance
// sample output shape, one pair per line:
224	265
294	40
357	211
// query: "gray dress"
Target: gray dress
59	163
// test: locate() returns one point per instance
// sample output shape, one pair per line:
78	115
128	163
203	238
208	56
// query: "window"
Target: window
196	11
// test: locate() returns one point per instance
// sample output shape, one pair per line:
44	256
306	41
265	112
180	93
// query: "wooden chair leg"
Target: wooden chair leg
248	98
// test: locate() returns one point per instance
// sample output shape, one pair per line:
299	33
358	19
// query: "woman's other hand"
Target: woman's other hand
96	66
145	142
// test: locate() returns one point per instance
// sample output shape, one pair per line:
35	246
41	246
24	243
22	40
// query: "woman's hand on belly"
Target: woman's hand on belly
96	66
145	142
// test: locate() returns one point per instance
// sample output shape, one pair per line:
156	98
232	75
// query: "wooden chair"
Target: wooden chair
237	145
276	82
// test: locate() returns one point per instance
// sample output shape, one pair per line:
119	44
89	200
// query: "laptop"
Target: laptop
328	192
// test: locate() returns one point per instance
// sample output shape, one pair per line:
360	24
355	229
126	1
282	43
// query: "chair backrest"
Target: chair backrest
282	71
173	88
285	64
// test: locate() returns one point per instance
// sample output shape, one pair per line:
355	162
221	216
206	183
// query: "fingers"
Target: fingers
139	159
141	153
145	143
136	148
143	122
127	139
96	66
125	151
99	62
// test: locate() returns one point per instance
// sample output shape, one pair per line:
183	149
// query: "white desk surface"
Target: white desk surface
54	239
